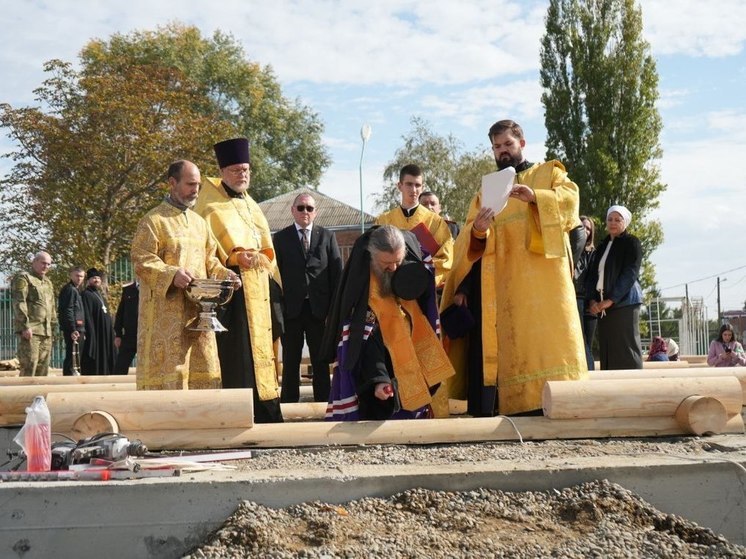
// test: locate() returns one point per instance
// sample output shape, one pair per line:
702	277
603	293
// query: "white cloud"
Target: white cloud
468	106
700	213
695	28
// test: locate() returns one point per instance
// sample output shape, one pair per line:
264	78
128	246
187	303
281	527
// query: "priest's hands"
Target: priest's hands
236	279
182	278
483	220
252	259
523	193
384	391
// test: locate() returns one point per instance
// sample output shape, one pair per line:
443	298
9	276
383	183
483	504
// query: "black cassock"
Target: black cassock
99	353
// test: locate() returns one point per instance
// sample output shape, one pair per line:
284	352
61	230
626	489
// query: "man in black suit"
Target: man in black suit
125	328
71	319
310	267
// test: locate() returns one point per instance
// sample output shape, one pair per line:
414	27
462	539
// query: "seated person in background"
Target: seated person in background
382	328
725	351
673	350
658	350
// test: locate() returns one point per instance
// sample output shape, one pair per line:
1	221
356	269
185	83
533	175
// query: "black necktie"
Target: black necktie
304	238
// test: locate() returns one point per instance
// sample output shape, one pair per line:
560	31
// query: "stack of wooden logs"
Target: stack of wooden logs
654	402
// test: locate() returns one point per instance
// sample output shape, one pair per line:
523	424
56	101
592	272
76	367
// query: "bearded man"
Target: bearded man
383	331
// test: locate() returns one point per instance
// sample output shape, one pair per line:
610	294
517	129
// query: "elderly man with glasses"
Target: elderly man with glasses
310	266
246	351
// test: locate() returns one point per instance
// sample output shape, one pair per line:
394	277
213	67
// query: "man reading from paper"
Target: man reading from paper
513	270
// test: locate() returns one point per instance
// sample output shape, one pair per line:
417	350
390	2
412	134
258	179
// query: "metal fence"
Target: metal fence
120	272
8	339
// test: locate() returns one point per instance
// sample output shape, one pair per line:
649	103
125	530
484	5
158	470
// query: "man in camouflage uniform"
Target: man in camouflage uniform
35	316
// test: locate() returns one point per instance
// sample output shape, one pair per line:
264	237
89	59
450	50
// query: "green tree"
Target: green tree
93	150
600	88
454	175
92	159
286	147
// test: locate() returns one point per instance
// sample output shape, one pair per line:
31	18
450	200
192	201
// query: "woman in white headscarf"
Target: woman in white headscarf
615	295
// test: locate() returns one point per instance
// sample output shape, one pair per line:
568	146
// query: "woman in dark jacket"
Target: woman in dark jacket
615	295
582	264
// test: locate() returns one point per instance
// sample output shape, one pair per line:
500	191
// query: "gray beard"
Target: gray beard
384	279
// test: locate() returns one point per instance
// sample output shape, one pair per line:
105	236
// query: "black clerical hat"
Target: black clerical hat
92	273
410	280
231	152
456	321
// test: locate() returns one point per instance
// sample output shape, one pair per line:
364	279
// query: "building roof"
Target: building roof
330	213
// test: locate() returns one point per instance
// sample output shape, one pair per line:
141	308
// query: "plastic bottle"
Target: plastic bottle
37	436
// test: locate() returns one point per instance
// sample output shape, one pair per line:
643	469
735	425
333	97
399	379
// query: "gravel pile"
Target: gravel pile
597	519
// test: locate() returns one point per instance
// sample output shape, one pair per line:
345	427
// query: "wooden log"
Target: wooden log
15	399
693	359
93	423
87	379
654	365
664	364
701	415
157	409
420	431
303	411
738	372
654	397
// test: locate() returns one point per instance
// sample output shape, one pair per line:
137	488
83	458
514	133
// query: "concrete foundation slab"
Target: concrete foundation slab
166	517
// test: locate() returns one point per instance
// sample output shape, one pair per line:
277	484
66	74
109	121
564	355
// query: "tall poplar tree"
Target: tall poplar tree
600	91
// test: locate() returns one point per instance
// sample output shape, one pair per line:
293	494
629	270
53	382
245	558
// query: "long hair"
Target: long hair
726	327
589	241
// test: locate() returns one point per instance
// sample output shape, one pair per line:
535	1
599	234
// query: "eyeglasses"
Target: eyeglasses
302	208
239	172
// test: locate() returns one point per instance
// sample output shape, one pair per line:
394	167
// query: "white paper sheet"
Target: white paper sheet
496	189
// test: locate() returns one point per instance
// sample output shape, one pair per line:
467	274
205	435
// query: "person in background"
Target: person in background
34	316
72	319
658	350
615	295
125	327
430	229
431	202
310	267
99	353
582	263
673	350
725	351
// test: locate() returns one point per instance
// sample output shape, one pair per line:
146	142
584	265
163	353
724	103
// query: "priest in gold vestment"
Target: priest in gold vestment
173	245
246	352
513	270
430	229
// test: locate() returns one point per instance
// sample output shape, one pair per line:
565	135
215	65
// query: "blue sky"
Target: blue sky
460	65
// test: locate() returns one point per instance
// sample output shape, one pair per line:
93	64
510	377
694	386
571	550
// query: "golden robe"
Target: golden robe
443	259
530	325
239	224
168	355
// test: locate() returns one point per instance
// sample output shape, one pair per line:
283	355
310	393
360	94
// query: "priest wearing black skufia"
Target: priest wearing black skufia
99	352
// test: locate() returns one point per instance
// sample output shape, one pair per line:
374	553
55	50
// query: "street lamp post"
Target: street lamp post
720	316
365	136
